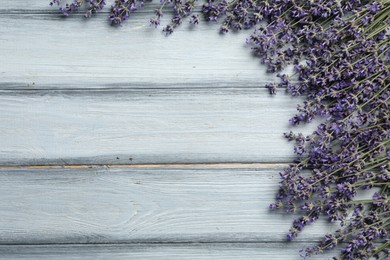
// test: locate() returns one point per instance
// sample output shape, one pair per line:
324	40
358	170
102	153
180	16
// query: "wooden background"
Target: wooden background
122	143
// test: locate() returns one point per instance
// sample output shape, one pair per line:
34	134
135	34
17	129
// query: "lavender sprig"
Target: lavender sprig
94	7
121	9
71	8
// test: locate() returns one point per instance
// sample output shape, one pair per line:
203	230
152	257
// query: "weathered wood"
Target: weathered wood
43	6
193	97
149	205
275	251
220	124
144	126
45	51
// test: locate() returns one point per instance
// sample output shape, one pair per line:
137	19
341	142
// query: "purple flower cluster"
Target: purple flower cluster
340	52
181	9
121	9
68	9
94	7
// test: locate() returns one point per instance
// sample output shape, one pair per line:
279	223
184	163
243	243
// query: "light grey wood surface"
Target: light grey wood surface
81	93
43	6
47	51
141	204
144	126
234	251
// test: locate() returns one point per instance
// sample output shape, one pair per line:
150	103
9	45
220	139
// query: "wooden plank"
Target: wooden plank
276	251
144	126
143	205
43	6
46	52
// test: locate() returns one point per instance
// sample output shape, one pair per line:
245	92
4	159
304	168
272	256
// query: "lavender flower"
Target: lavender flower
195	19
68	8
121	10
94	7
53	2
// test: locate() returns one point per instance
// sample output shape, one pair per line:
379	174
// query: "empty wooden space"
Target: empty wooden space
141	204
143	126
196	251
120	143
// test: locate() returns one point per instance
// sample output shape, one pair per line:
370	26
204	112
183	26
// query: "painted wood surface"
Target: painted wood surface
234	251
82	93
144	126
45	51
141	204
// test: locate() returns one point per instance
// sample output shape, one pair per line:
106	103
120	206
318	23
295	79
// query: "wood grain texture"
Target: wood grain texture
43	51
43	6
144	126
82	92
276	251
144	205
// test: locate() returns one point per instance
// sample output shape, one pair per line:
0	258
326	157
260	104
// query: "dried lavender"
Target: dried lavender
180	11
69	8
94	7
345	79
121	9
340	51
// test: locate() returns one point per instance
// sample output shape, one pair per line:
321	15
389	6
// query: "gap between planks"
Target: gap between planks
146	165
53	10
184	243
